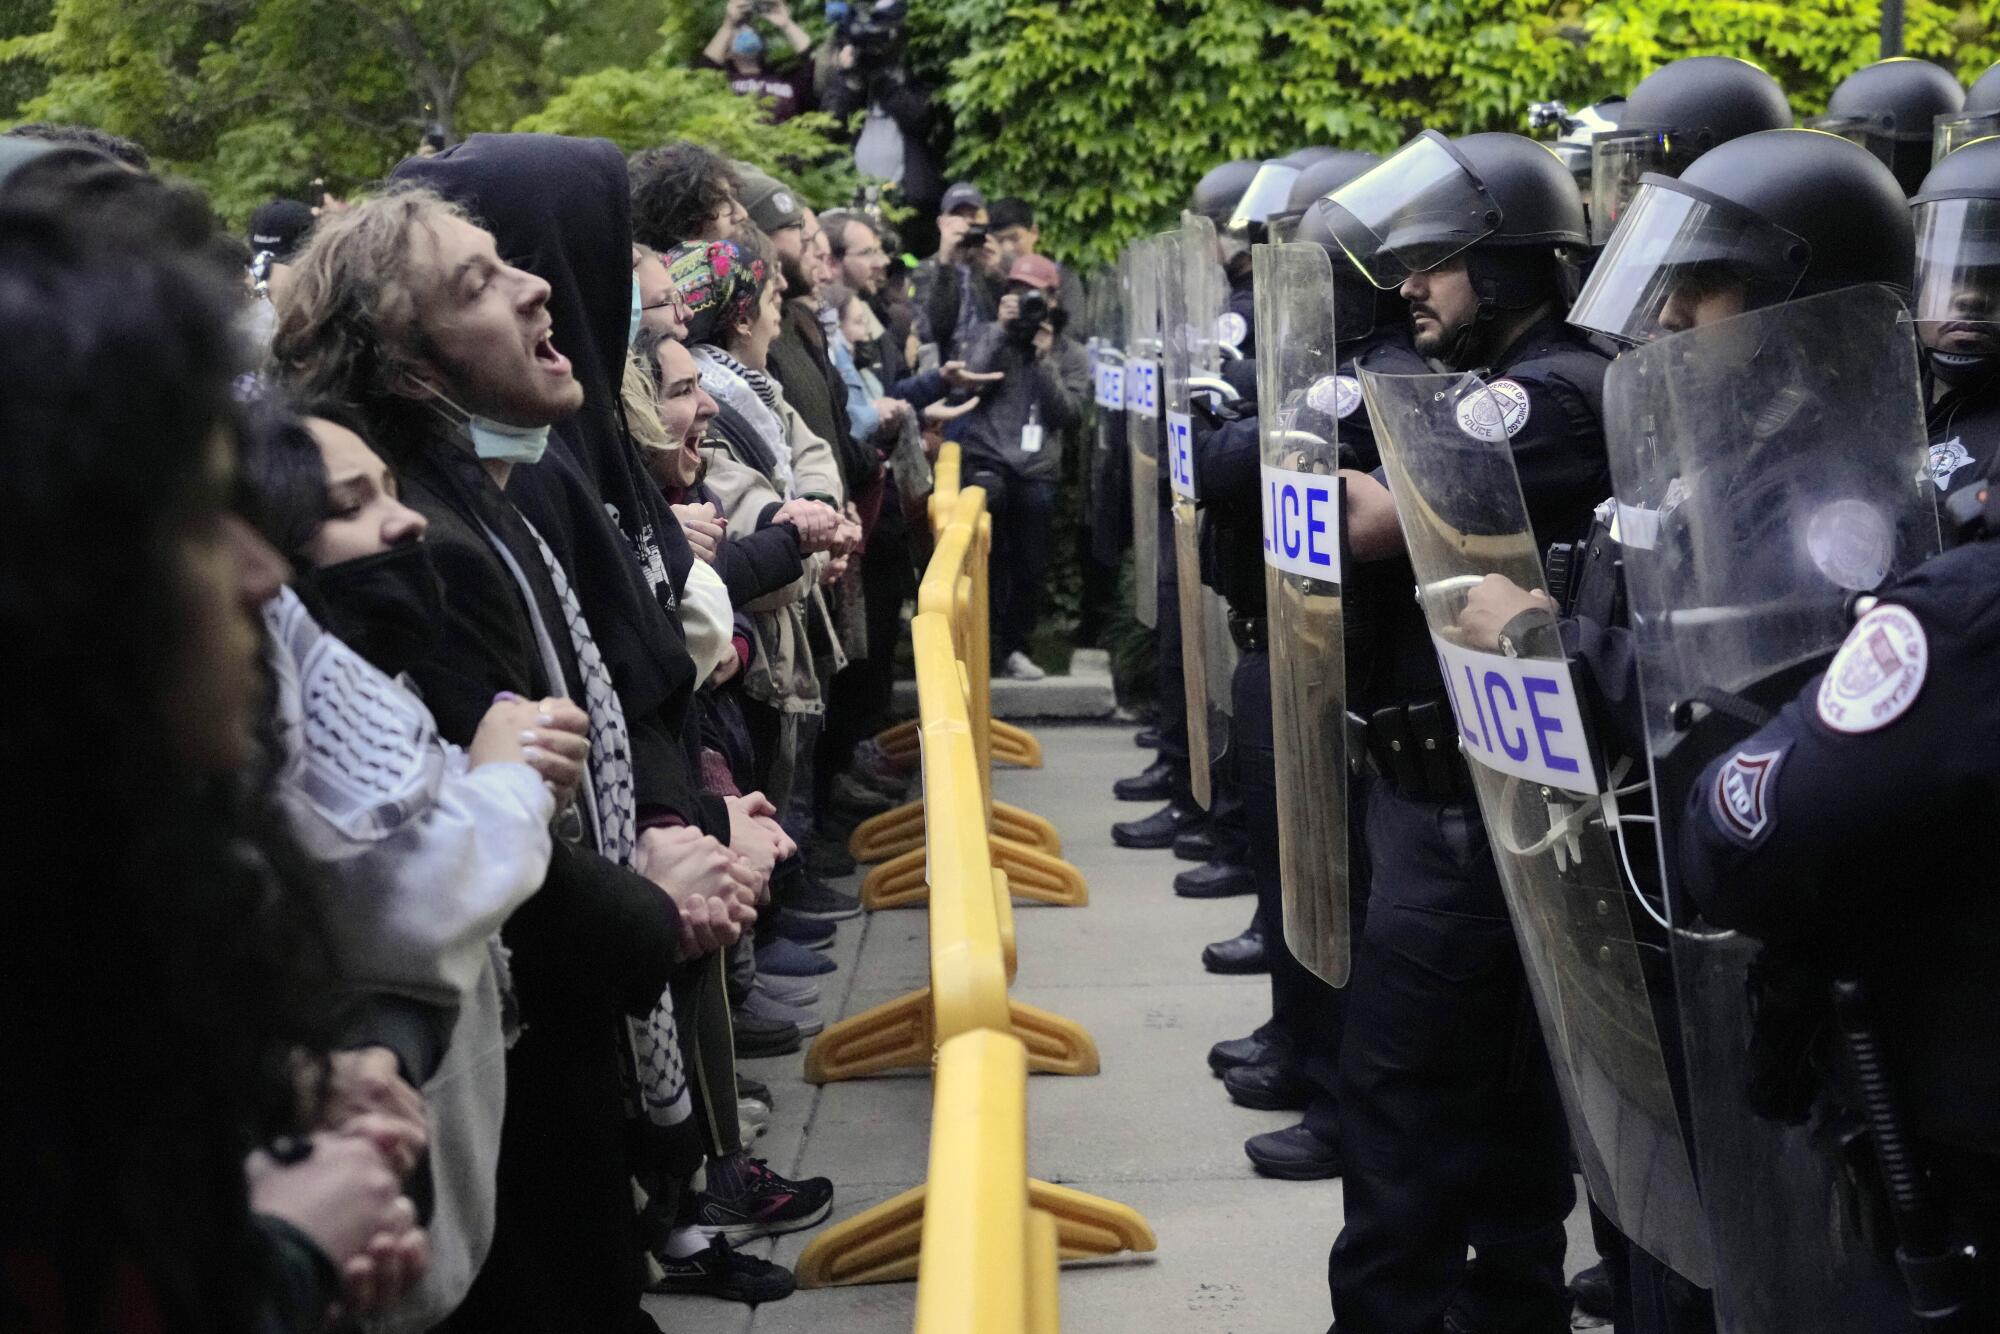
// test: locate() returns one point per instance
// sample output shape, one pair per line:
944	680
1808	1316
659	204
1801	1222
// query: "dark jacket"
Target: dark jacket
1054	390
559	208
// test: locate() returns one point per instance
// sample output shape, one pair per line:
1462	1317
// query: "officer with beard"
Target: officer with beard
1957	215
1450	1124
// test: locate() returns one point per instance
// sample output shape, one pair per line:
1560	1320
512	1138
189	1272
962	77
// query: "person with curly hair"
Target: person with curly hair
684	192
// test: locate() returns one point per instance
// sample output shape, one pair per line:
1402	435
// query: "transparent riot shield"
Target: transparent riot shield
1214	334
1142	420
1109	489
1523	729
1768	468
1178	362
1301	397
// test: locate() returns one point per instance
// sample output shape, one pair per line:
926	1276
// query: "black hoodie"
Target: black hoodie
560	208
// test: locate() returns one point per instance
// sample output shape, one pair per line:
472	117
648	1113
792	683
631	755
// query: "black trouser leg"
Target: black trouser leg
1021	564
1169	683
708	1046
1449	1122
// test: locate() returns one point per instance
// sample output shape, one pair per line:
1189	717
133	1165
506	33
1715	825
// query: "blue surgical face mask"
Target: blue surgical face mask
638	314
507	444
748	44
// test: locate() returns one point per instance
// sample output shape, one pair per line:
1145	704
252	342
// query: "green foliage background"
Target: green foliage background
1103	112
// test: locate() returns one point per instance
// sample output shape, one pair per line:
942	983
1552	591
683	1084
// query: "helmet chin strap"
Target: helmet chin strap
1960	371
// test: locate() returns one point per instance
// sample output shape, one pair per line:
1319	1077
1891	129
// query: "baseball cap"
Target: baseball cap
962	195
769	201
280	227
1036	271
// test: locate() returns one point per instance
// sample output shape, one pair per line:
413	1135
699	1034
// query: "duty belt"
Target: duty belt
1413	748
1251	633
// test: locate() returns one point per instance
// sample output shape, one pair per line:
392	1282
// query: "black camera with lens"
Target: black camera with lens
875	31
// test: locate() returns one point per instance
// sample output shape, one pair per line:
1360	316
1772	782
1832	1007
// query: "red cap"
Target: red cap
1036	271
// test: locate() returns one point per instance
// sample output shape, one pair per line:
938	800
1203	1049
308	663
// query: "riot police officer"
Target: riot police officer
1957	215
1289	1063
1890	108
1788	180
1678	112
1451	1129
1870	1013
1215	837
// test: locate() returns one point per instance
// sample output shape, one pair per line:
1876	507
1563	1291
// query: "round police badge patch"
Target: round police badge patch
1876	675
1231	329
1495	414
1947	457
1335	395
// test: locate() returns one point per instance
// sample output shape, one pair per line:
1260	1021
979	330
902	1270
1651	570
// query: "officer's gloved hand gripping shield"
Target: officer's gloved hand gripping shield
1768	468
1538	776
1301	400
1141	272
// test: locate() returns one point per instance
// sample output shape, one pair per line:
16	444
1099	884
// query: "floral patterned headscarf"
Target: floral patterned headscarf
720	282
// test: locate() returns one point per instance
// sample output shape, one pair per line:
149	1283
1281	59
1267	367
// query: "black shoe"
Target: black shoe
1147	738
807	931
1238	954
1216	880
1155	784
1267	1088
764	1037
768	1206
817	901
725	1273
1591	1290
1293	1154
1196	845
1158	829
829	858
1266	1046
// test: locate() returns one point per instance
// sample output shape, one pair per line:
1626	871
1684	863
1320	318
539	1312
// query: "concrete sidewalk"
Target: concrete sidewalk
1238	1254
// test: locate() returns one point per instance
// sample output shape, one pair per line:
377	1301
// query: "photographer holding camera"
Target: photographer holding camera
958	289
897	144
1012	444
737	49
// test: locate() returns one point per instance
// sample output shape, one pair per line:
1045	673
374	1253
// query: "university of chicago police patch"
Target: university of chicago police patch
1876	675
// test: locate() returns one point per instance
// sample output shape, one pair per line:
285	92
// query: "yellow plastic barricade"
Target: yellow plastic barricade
1022	844
971	920
980	1236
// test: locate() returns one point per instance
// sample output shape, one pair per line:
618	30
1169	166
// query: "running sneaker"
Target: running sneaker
766	1205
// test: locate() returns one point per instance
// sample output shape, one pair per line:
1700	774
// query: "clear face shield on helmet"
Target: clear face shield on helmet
1877	134
1956	131
1269	192
1412	212
1958	276
1619	160
1682	259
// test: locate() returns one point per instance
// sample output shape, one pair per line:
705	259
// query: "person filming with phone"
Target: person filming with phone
739	50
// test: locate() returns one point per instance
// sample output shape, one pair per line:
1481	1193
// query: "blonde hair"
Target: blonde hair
347	321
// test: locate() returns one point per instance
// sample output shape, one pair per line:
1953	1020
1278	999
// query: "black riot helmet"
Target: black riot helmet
1268	194
1956	211
1977	118
1217	194
1890	109
1576	131
1504	201
1358	307
1677	113
1760	220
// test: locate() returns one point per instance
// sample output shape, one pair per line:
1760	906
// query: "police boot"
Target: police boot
1267	1088
1293	1154
1155	783
1267	1045
1591	1291
1158	829
1147	738
1196	845
1216	880
1238	954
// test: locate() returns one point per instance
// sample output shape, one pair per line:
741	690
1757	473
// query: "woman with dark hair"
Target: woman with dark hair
159	978
428	849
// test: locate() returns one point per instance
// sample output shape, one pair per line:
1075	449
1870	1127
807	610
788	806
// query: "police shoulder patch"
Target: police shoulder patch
1494	413
1947	457
1335	395
1875	677
1741	798
1231	328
